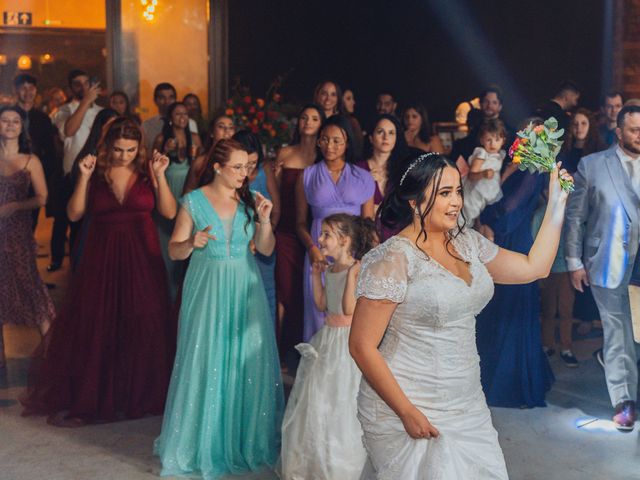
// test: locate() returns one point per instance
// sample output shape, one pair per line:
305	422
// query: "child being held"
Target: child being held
321	434
482	185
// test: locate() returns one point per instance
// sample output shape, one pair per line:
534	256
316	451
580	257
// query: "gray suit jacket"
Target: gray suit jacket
603	219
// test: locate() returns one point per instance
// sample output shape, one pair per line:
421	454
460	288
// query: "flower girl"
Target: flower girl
321	435
482	185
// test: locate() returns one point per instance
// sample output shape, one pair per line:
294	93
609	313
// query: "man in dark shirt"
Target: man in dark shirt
612	103
490	109
38	125
564	100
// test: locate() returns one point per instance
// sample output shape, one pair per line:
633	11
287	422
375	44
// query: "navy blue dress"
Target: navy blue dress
514	369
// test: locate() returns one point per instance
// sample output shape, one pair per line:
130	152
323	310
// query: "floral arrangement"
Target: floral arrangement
265	119
536	148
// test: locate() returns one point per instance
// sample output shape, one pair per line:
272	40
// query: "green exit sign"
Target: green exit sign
17	19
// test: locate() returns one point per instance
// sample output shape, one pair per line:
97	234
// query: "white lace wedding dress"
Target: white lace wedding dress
430	347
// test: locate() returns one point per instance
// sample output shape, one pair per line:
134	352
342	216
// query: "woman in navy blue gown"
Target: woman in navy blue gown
514	369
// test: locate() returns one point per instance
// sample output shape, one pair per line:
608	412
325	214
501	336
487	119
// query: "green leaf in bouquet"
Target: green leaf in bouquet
532	138
557	134
542	149
551	123
532	169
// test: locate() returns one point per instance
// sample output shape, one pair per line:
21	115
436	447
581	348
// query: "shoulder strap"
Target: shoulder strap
28	161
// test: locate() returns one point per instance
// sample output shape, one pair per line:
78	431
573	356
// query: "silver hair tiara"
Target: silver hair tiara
422	157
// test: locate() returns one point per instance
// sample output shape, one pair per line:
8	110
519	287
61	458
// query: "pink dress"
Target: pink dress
24	298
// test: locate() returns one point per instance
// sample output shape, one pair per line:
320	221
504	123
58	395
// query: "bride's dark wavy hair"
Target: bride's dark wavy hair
221	153
24	141
396	212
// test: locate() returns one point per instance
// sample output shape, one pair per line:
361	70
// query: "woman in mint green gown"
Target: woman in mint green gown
182	147
225	401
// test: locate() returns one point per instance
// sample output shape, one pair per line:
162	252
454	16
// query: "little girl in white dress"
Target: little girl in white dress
321	435
482	185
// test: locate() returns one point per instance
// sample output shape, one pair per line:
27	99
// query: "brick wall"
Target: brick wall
626	42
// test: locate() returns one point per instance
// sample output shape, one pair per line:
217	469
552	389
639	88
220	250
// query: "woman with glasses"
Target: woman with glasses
333	185
225	401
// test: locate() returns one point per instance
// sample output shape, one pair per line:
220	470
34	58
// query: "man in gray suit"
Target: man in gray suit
603	231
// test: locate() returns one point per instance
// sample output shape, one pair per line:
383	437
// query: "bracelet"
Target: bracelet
264	222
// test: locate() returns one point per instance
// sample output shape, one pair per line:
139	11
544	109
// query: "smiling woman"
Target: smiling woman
413	334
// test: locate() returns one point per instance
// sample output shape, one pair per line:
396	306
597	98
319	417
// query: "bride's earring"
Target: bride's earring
415	209
217	171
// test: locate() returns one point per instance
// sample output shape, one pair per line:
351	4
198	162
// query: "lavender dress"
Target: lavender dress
354	188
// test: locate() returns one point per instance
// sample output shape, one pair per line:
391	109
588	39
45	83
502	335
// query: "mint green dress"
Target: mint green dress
176	175
225	403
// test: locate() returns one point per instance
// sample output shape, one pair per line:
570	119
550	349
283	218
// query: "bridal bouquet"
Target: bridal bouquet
536	148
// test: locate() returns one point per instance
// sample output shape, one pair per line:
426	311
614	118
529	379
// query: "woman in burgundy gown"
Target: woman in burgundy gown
105	356
290	163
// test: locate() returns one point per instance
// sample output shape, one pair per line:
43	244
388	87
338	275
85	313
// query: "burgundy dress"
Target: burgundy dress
24	298
106	354
289	265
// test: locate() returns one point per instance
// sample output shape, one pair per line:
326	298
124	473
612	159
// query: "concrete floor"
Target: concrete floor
572	439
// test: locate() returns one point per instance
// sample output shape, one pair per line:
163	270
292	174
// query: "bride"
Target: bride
421	405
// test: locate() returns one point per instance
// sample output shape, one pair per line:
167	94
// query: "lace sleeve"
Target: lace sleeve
486	250
384	274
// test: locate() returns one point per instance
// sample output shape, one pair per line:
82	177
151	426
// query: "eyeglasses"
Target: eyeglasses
239	168
335	142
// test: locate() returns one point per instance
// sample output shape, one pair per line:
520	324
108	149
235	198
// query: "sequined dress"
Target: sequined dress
430	347
225	403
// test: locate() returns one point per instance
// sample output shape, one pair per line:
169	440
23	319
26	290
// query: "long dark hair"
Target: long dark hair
24	140
399	149
410	179
251	144
167	133
424	133
295	140
343	124
593	142
221	153
361	231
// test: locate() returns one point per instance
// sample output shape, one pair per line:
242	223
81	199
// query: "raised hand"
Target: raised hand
87	165
318	267
263	208
316	256
159	163
202	237
556	193
417	425
91	94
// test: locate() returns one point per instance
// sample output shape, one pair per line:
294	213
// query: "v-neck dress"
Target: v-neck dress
430	348
106	355
326	197
225	401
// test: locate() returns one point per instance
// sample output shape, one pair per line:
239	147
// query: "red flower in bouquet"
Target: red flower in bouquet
260	102
247	100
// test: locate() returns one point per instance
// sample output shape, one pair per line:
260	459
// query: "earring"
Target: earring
217	171
415	209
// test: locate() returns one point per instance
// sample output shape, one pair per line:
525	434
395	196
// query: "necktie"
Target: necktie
634	175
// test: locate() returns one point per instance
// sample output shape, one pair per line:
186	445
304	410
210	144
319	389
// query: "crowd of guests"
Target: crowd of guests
201	269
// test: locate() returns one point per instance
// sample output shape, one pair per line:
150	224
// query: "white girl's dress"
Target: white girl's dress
321	435
430	348
477	195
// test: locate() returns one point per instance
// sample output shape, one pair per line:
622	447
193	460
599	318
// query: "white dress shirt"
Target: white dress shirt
74	143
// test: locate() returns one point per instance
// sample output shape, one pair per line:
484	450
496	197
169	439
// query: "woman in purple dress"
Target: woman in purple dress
333	185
